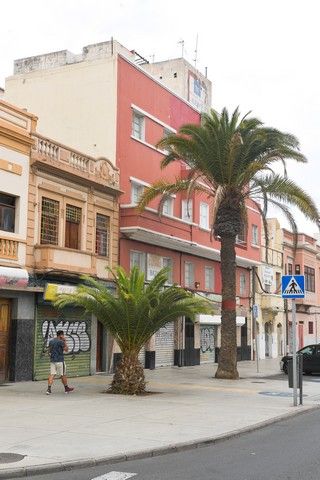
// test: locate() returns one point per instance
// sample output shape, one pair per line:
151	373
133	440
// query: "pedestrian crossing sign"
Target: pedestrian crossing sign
293	286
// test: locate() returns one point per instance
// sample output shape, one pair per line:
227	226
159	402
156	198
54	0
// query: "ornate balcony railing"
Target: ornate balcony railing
8	249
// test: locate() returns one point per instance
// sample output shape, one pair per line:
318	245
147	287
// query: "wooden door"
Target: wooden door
4	338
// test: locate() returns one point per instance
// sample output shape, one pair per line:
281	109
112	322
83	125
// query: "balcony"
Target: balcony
52	257
56	158
8	249
271	302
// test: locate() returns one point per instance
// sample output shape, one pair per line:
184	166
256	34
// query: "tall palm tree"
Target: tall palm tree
133	315
231	158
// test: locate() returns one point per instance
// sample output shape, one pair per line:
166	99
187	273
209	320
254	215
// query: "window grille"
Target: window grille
49	221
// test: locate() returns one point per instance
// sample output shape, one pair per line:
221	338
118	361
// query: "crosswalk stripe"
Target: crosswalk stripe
115	476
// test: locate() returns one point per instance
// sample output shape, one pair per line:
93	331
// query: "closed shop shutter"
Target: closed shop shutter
207	344
77	330
165	345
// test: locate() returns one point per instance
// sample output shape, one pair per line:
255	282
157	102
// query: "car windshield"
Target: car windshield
307	350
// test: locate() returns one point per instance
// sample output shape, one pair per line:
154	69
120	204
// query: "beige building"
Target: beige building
271	321
81	104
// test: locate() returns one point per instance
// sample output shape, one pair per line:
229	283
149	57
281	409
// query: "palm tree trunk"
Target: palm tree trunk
227	366
128	378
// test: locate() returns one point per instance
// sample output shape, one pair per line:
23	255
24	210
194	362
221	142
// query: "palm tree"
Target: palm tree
230	159
133	315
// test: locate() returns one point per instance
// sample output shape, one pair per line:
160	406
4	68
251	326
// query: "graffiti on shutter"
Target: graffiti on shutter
206	343
165	345
77	330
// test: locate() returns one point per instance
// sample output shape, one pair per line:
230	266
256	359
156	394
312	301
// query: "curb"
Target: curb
25	472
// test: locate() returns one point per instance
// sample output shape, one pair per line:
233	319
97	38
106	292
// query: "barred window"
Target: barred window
102	235
73	223
49	221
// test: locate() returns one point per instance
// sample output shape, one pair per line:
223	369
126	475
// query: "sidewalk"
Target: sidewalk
188	406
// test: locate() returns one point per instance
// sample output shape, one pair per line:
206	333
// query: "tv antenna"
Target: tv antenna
181	42
196	53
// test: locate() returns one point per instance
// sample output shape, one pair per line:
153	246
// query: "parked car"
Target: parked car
311	359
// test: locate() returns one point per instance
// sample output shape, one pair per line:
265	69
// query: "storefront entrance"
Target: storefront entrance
4	339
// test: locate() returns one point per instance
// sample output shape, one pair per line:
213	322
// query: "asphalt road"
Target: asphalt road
288	450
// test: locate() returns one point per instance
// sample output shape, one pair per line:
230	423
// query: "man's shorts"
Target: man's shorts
57	368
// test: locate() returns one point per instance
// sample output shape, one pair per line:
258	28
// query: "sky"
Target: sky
262	56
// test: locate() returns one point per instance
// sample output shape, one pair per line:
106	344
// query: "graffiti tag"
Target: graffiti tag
207	339
75	333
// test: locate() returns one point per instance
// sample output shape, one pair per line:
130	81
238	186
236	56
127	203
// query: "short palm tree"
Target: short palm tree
133	315
230	159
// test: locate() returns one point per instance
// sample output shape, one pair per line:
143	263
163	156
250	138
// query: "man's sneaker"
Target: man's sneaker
68	389
48	392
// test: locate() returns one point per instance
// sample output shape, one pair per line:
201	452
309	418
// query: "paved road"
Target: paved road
288	450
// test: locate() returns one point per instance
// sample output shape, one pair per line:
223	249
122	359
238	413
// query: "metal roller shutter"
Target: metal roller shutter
207	344
165	345
77	330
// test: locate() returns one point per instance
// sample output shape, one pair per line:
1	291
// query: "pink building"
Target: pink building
305	262
109	102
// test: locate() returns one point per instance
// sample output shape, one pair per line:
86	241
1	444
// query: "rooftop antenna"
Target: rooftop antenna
181	42
196	53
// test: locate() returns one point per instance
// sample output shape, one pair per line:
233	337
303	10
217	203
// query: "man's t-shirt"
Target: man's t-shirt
56	350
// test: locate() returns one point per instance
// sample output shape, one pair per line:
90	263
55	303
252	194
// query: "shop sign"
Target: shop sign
52	291
16	277
267	275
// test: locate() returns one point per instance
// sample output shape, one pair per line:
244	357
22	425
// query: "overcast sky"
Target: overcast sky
261	55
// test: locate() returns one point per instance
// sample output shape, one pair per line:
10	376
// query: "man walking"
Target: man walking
57	347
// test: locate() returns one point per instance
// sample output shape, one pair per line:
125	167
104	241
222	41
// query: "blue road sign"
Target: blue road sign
292	286
255	311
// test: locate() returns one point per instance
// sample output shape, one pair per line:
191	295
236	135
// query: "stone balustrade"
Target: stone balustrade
8	249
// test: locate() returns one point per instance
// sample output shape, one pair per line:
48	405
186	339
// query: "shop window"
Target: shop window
49	221
7	212
309	275
310	328
73	227
189	274
102	235
209	278
137	125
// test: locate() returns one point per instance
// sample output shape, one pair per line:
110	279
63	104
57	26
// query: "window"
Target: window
309	276
209	278
197	87
167	262
137	125
242	236
7	212
204	215
73	224
290	270
167	207
297	269
307	350
188	274
49	221
255	235
310	328
242	284
102	235
186	210
138	259
136	192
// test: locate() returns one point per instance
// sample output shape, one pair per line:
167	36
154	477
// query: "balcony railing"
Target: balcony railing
55	155
8	249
